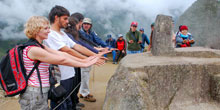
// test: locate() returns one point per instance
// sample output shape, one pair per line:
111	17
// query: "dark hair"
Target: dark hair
180	26
78	15
59	11
71	28
152	25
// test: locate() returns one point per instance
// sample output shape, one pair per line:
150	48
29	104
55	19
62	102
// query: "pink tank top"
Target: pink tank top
43	69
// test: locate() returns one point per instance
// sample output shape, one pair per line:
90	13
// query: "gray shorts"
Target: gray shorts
32	99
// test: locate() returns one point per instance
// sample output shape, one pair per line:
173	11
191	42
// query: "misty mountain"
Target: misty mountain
118	22
108	16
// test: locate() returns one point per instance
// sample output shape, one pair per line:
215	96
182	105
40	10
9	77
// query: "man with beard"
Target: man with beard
58	40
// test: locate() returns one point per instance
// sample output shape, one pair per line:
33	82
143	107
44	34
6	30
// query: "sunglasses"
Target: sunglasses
86	23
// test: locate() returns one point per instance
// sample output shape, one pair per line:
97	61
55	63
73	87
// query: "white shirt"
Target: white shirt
57	41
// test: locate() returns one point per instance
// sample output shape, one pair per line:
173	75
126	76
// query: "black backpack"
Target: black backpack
13	78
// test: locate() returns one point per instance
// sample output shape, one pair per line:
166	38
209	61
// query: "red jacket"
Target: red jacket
121	44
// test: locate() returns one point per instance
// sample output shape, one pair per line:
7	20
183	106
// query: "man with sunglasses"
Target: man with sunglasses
134	39
91	35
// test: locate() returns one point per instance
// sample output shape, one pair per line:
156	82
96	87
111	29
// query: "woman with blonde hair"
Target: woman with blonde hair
37	28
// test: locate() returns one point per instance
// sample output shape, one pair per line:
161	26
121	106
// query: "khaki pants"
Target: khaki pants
85	76
32	99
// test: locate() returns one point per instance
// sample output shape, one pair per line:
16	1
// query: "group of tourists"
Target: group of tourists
135	41
69	41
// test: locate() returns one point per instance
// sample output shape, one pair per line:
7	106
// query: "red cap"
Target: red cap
134	23
183	27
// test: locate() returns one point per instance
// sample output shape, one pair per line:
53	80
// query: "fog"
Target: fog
109	16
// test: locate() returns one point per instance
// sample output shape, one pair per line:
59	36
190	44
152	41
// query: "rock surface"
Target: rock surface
147	82
199	52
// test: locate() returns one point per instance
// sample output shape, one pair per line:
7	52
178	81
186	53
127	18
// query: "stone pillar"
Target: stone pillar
162	36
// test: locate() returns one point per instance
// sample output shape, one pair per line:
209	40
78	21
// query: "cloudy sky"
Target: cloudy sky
14	13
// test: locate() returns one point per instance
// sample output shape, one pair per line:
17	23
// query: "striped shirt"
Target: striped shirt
43	69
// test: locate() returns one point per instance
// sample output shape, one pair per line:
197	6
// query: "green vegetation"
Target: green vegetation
5	45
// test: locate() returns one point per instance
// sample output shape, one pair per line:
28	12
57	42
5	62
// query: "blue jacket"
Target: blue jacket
80	42
92	36
144	39
83	39
179	39
111	44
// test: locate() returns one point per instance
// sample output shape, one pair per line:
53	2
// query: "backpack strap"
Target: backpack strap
33	42
35	67
38	75
134	37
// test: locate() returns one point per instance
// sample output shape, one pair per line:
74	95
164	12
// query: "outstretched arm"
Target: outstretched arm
147	40
72	52
59	58
83	50
64	54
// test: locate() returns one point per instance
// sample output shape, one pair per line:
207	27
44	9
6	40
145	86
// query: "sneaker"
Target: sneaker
114	63
78	108
89	99
81	96
80	105
90	95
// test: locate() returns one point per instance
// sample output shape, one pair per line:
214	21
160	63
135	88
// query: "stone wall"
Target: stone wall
149	82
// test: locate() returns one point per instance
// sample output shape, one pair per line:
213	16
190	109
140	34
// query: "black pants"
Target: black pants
69	86
77	80
119	54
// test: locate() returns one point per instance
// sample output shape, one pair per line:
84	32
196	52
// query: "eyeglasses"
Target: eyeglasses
134	26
